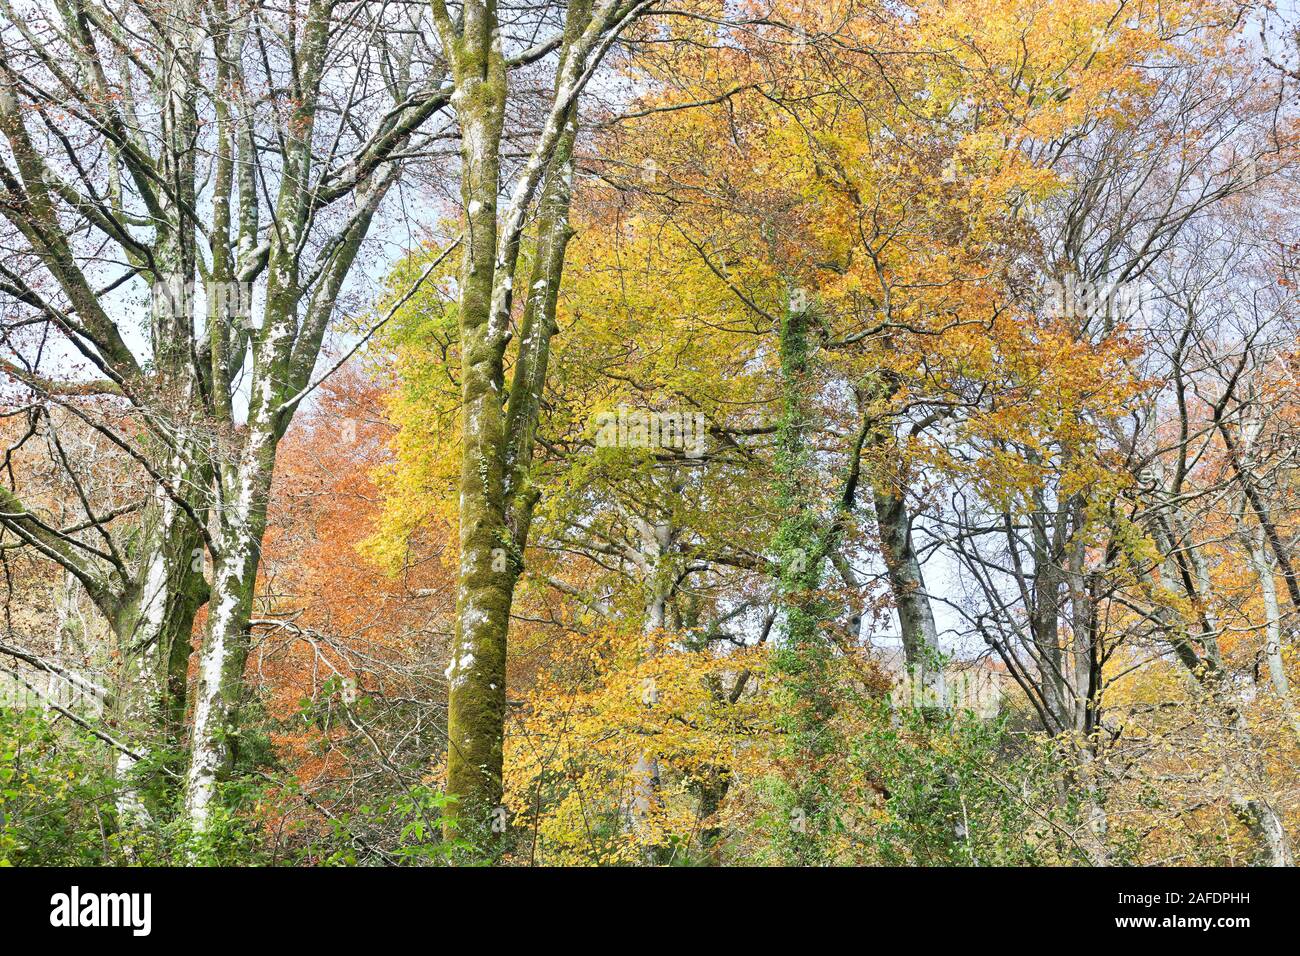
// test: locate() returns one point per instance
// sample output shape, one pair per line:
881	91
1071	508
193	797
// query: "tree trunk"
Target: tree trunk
496	498
802	660
915	616
1260	818
1265	569
218	691
656	541
487	573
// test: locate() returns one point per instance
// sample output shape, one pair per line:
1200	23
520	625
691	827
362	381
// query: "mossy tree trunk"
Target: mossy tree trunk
488	570
498	427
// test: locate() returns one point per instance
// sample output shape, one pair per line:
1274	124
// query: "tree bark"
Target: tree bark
915	616
496	498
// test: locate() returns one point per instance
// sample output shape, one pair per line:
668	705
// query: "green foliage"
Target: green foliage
59	794
56	795
802	662
955	790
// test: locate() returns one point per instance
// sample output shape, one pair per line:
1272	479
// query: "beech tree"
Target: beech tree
217	168
621	432
498	426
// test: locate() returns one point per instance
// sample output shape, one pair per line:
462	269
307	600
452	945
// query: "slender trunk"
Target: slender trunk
916	623
1085	688
1261	818
1239	746
64	631
912	603
1082	676
645	774
1049	578
712	793
1250	487
1265	569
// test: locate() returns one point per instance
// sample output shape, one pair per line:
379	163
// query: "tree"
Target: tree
498	427
224	162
